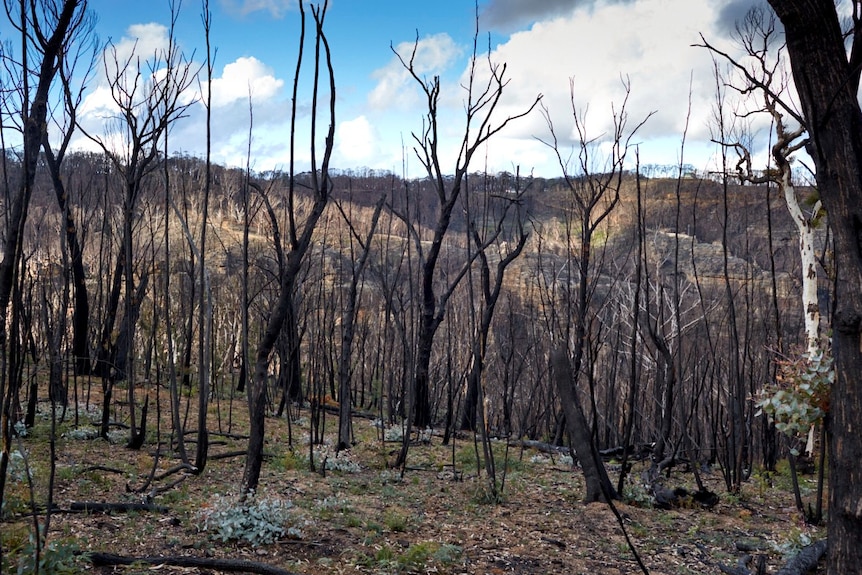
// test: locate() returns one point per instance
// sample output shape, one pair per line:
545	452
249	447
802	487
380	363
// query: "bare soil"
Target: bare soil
437	518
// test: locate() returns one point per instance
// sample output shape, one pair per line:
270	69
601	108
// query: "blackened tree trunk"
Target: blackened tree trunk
72	98
348	324
599	487
299	244
482	99
81	298
293	337
490	296
51	45
35	123
146	116
205	304
592	197
827	85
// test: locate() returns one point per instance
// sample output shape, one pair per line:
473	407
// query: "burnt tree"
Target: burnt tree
827	82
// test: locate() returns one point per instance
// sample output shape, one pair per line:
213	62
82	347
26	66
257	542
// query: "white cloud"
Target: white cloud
244	77
98	111
141	40
648	43
433	55
98	103
597	48
357	142
276	8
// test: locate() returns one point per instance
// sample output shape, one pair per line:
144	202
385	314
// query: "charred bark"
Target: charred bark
599	487
827	85
321	186
228	565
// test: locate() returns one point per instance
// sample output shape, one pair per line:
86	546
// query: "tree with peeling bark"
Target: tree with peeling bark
826	76
763	77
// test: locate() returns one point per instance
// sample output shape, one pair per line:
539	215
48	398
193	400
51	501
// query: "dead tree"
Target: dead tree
482	98
593	194
761	76
49	31
85	54
299	238
827	76
599	487
348	322
148	96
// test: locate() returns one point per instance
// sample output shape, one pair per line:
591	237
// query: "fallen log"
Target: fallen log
94	507
542	446
801	563
101	468
740	569
665	498
804	560
636	452
227	565
229	454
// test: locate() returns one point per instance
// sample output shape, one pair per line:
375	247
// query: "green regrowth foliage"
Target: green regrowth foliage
800	396
252	519
56	558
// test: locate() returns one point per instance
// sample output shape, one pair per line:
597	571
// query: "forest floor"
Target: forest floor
360	516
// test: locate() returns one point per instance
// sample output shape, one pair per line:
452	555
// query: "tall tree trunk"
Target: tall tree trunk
827	85
34	120
599	487
321	185
81	308
348	324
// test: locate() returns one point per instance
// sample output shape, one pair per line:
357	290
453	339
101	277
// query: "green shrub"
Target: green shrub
84	433
56	558
797	539
395	521
18	469
340	462
800	396
251	519
421	557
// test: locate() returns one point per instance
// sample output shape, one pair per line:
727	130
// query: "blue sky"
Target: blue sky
545	44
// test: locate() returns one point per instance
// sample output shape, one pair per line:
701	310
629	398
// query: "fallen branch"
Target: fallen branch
176	469
169	486
636	452
543	447
101	468
229	565
93	507
153	477
227	455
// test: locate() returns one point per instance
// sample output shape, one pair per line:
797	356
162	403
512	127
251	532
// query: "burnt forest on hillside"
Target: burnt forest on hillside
326	370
